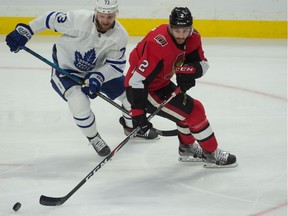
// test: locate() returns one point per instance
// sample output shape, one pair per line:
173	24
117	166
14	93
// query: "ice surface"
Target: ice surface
43	152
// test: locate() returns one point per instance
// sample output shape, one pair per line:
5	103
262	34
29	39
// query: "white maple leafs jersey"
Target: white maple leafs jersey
81	47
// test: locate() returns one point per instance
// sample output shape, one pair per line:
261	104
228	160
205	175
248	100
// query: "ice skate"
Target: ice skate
219	159
151	134
100	145
190	153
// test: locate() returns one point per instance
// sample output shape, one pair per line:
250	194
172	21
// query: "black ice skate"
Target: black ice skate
151	134
100	145
190	153
219	159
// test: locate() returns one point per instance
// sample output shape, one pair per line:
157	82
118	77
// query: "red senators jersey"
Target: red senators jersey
153	60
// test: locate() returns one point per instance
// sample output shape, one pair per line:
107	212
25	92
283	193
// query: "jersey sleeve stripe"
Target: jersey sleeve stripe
48	18
116	62
116	68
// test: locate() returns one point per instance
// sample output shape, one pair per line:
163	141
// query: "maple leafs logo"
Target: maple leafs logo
86	62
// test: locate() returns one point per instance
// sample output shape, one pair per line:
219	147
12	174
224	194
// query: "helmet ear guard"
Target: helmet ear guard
180	17
106	6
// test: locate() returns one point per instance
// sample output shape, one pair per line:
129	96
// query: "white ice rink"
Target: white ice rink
43	152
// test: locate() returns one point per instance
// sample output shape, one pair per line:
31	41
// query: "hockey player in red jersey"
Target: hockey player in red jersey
169	49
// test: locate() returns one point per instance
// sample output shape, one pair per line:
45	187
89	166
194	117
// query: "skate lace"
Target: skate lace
98	144
146	135
193	150
221	155
197	150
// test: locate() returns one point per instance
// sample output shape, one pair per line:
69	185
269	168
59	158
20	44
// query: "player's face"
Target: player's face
180	34
105	21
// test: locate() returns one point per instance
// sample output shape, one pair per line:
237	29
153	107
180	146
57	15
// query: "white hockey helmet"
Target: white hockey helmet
107	6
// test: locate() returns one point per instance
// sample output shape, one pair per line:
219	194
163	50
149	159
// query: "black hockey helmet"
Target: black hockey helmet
180	17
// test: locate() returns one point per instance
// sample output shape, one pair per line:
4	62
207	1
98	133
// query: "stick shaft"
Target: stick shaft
56	201
80	82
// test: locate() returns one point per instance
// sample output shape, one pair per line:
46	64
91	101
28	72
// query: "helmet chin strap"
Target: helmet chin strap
192	30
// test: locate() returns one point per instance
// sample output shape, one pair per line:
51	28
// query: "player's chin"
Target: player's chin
106	27
180	41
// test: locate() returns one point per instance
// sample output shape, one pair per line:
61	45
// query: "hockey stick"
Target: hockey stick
80	82
57	201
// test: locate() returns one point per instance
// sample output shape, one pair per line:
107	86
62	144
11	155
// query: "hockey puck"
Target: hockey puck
17	206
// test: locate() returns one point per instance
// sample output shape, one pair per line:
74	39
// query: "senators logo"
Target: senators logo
177	63
161	40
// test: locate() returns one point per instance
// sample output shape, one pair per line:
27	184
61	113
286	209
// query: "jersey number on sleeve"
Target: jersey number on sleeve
123	50
61	17
143	66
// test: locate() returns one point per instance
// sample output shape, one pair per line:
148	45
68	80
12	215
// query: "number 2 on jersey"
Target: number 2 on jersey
143	66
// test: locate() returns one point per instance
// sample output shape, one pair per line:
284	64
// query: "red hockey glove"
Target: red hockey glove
185	77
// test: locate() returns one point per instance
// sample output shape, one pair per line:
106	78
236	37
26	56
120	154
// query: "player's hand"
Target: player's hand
93	82
185	77
142	121
19	37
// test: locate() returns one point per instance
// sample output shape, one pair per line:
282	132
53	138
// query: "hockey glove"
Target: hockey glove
93	83
140	120
185	77
19	37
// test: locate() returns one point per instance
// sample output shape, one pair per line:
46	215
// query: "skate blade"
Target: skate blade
189	159
212	165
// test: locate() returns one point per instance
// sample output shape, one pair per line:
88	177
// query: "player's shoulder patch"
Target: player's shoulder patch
160	39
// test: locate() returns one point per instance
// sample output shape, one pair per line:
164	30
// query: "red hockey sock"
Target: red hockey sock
201	129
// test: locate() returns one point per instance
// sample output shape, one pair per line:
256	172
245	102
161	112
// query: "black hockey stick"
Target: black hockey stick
57	201
80	82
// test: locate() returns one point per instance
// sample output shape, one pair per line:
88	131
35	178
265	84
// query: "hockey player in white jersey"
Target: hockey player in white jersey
92	47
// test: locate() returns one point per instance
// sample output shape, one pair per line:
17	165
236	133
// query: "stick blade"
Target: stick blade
51	201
